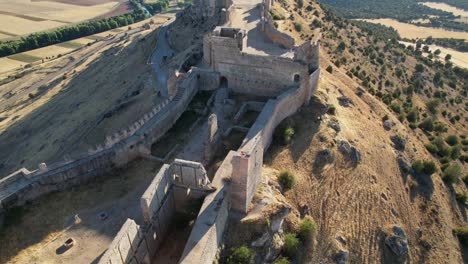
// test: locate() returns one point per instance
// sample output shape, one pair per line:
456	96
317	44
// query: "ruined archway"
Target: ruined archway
297	78
223	82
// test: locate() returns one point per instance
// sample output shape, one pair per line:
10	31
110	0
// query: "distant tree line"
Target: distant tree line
401	10
379	31
456	44
42	39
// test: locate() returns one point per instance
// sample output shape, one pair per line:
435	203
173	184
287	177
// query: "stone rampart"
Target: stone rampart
118	150
207	234
273	34
248	160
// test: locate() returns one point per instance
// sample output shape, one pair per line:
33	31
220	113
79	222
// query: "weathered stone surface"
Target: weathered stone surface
345	101
349	152
397	241
388	124
399	141
335	125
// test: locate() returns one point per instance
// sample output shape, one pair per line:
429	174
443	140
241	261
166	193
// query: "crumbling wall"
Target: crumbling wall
268	27
118	150
207	233
248	161
250	73
128	246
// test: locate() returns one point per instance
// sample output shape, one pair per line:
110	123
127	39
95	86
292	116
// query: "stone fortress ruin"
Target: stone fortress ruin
245	55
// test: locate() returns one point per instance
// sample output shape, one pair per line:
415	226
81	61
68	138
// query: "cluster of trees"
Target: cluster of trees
42	39
156	7
456	44
379	31
401	10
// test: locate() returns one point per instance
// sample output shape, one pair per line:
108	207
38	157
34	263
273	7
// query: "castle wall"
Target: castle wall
248	161
118	150
249	73
207	234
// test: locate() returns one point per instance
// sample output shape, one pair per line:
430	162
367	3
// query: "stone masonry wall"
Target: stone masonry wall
118	150
268	26
248	161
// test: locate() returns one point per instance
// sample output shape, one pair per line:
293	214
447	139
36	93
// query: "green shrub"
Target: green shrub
427	125
452	140
330	69
461	197
287	180
288	133
306	229
452	173
455	152
331	110
298	26
291	244
432	105
444	160
418	166
465	179
462	234
432	148
282	260
240	255
429	167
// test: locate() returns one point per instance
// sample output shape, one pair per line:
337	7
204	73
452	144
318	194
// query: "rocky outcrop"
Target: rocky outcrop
349	152
397	241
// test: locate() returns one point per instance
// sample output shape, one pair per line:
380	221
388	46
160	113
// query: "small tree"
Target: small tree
240	255
432	105
287	180
418	166
452	140
282	260
330	69
306	229
448	57
291	245
462	234
429	167
452	173
288	133
437	52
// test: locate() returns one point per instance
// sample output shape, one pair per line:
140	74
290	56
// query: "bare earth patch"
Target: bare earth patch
412	31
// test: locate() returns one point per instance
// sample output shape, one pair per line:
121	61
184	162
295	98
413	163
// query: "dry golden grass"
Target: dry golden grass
42	227
49	51
21	26
458	58
22	17
446	7
7	64
412	31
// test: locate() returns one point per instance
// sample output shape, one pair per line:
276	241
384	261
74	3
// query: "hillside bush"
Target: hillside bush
291	245
240	255
306	229
452	173
429	167
287	180
418	166
452	140
330	69
288	134
282	260
427	125
462	234
461	197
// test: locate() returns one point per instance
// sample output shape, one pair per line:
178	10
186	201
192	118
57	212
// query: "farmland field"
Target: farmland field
22	17
410	31
448	8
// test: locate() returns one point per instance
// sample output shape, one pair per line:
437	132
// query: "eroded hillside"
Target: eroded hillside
354	151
